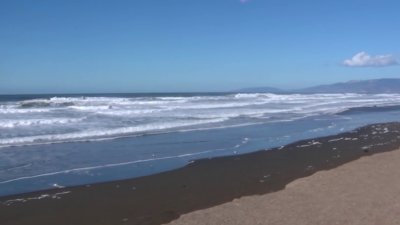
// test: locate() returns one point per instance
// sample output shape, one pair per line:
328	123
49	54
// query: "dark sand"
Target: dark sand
164	197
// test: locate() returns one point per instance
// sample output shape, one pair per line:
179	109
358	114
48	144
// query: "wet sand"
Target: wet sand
161	198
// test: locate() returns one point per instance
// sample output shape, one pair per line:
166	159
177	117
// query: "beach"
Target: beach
239	112
277	175
365	191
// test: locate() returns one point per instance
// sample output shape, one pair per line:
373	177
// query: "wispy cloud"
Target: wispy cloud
244	1
363	59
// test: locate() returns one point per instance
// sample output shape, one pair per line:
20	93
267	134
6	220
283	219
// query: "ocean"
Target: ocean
53	141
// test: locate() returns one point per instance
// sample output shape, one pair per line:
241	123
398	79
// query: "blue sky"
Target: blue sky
53	46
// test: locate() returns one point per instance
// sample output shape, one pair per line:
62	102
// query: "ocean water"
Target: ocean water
50	141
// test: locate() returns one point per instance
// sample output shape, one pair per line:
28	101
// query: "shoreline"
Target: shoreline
161	198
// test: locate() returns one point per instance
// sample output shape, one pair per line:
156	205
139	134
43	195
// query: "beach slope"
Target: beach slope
365	191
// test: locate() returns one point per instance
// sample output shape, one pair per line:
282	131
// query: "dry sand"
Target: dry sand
365	191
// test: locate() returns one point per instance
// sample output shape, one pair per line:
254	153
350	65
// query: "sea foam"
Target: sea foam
65	119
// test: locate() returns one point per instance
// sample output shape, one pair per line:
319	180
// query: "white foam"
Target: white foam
24	111
107	117
35	122
97	133
43	196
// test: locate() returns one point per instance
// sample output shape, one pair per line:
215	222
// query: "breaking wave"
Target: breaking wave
66	119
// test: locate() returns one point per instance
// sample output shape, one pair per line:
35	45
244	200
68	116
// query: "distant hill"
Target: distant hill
260	90
385	85
361	86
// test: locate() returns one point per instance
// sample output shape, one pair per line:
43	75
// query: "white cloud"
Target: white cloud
363	59
244	1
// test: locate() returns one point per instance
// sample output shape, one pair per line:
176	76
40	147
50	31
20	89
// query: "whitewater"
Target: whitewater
82	118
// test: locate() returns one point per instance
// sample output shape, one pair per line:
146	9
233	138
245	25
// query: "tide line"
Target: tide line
108	166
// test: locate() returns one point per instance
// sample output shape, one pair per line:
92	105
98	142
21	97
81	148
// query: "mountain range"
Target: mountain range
386	85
